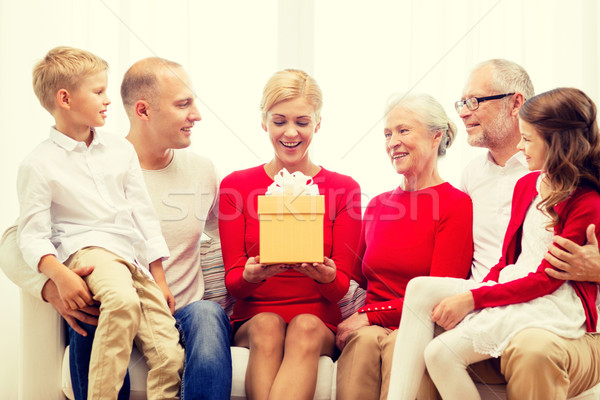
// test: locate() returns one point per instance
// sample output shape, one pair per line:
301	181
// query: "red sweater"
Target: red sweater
289	293
575	214
409	234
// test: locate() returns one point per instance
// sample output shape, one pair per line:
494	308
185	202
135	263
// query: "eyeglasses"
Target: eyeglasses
473	102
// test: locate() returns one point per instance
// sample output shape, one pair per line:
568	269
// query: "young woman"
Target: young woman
559	137
287	314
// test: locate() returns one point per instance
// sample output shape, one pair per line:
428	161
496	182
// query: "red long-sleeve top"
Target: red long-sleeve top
289	293
575	214
407	234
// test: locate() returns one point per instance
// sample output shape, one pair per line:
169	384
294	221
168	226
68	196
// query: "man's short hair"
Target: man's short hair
508	76
139	82
63	68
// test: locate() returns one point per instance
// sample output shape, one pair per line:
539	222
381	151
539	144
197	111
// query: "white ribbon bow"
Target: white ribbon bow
294	184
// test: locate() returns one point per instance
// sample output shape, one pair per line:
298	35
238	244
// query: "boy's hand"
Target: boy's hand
168	296
88	315
73	290
157	271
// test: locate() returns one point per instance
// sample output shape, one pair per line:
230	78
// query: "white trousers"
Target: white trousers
446	356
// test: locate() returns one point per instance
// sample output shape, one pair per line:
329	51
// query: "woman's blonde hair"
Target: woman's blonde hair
429	112
565	118
289	84
63	68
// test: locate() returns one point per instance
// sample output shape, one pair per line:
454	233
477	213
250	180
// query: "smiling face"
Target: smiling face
409	144
174	111
490	124
291	125
89	102
533	146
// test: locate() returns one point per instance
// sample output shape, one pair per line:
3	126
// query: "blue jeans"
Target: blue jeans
80	349
206	336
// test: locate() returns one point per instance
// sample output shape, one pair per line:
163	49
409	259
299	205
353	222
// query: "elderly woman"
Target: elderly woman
422	228
286	315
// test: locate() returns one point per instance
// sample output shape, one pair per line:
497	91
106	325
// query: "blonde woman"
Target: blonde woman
286	315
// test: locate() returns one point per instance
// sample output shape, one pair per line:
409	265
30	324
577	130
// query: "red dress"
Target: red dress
289	293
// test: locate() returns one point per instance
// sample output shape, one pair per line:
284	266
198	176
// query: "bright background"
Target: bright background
359	54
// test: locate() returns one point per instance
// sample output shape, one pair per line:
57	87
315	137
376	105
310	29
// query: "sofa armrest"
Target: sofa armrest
43	340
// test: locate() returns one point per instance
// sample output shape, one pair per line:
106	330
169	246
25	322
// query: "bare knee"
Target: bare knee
306	324
306	332
266	332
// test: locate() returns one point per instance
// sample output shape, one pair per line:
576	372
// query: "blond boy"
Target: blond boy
84	203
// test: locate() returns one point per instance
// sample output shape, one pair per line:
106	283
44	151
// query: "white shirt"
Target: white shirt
73	196
490	187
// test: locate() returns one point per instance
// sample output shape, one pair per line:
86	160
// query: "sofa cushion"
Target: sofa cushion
325	377
137	376
213	272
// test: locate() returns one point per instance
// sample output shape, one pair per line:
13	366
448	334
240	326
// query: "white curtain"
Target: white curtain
359	53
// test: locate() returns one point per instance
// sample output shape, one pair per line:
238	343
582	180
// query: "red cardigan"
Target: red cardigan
289	293
575	214
427	232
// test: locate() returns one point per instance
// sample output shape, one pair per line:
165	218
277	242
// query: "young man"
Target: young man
537	364
161	107
82	204
183	188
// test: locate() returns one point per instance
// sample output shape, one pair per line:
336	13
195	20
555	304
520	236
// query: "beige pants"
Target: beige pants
541	365
132	307
363	369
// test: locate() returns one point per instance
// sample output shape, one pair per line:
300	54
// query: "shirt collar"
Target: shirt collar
68	143
515	160
518	158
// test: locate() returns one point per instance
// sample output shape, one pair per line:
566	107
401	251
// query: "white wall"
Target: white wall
359	54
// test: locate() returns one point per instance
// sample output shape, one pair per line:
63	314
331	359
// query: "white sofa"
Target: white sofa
43	357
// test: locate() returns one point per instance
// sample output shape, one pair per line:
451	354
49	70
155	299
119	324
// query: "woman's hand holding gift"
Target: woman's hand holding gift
324	272
255	272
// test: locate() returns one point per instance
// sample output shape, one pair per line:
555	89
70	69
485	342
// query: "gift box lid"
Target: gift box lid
291	204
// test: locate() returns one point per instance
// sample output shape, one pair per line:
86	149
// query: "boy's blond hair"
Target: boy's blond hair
63	68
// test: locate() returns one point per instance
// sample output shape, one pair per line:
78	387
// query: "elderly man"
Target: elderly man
537	364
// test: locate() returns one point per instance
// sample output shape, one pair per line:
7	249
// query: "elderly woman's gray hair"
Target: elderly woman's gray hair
429	112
